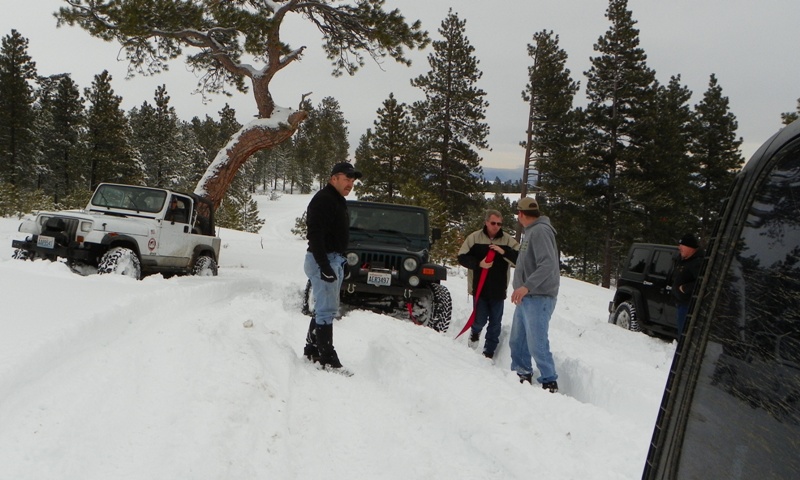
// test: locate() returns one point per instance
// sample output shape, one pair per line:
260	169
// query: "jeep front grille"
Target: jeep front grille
70	227
382	260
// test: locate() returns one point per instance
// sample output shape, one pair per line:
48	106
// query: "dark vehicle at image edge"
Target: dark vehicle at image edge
731	405
643	300
388	265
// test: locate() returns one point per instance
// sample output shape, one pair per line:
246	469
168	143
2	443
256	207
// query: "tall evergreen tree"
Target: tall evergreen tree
329	144
663	186
388	163
110	155
716	152
62	108
157	137
451	119
619	87
18	142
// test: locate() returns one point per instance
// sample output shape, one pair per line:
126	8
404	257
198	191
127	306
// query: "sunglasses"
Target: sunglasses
498	224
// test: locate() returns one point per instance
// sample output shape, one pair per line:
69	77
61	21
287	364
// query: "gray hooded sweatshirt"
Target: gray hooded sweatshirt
538	264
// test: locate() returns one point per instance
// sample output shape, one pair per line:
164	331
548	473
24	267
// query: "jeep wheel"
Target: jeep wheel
120	261
625	317
442	308
205	266
20	254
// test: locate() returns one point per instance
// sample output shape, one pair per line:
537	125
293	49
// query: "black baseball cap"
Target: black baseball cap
346	168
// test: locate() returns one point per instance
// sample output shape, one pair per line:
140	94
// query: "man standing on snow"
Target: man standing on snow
536	281
328	234
686	273
489	303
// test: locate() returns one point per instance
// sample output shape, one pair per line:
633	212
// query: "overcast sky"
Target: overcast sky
750	47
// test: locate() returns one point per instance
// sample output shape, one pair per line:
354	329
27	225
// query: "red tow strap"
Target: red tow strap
489	259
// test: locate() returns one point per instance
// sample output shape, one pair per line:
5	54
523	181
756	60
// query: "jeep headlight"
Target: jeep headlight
86	227
413	280
352	259
410	264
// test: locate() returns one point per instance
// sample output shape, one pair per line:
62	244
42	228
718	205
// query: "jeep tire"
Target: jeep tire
205	266
442	306
625	317
120	261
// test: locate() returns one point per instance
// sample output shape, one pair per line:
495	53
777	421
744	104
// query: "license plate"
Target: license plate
379	279
45	242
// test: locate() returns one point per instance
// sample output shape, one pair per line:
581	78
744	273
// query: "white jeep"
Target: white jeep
128	230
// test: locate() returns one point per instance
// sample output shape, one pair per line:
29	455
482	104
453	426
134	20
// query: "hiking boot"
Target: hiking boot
525	377
488	355
551	386
474	338
310	351
327	354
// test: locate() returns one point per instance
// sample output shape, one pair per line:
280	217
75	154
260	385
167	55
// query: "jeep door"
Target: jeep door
174	249
658	286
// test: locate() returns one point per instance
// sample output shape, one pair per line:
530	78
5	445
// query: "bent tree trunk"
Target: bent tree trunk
257	135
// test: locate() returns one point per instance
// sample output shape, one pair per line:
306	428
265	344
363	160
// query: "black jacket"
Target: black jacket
475	248
686	273
328	224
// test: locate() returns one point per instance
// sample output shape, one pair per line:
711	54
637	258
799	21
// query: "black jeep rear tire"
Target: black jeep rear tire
120	261
625	317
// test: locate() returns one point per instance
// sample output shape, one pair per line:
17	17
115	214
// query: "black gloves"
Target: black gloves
326	273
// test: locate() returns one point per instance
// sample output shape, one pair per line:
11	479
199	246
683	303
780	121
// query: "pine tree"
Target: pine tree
789	117
156	136
61	107
18	142
663	184
110	155
451	119
329	144
384	157
619	87
716	152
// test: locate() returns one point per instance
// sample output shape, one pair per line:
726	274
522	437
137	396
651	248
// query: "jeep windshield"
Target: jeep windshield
391	221
125	197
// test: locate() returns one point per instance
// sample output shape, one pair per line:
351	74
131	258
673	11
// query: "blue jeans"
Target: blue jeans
326	295
491	310
681	317
529	337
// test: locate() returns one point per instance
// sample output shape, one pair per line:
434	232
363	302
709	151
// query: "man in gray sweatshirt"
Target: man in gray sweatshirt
536	281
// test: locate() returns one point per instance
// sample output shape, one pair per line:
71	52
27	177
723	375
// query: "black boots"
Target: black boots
311	351
319	345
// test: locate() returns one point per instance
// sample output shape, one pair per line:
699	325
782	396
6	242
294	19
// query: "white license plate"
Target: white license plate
45	242
380	279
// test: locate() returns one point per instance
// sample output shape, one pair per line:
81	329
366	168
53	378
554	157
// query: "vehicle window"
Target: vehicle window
744	420
662	263
375	219
638	260
125	197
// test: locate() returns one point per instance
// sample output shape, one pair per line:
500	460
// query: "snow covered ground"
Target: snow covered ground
104	377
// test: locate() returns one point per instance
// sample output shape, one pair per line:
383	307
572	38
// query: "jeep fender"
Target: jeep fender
624	294
113	240
439	272
200	250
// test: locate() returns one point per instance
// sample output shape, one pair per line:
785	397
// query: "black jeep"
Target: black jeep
388	265
643	300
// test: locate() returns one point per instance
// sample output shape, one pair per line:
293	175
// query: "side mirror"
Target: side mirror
436	234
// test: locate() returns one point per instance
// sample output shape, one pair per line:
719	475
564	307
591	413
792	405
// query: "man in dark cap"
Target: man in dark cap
686	273
537	278
328	234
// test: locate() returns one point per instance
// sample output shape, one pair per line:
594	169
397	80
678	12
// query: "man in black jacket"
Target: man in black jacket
328	234
685	275
472	255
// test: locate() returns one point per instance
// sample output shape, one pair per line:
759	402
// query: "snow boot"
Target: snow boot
310	351
525	378
327	354
552	387
474	338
